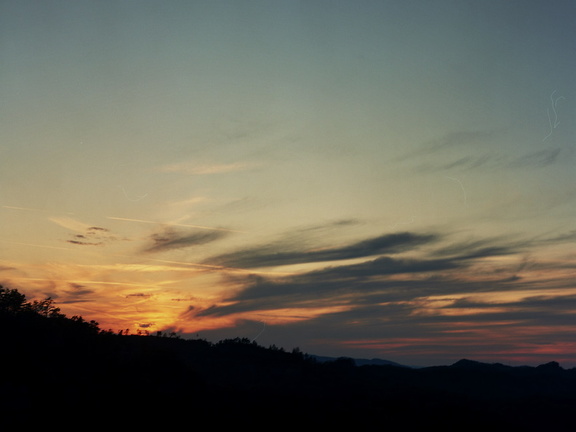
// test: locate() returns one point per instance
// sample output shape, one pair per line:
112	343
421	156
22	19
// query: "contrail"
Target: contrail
132	199
554	102
261	331
172	224
461	187
21	208
28	209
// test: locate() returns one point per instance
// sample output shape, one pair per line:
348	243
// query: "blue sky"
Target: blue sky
376	178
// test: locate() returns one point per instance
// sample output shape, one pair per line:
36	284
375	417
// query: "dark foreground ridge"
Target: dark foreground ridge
57	370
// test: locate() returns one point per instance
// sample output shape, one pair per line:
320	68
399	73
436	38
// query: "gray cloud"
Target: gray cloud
93	236
368	281
398	331
316	290
379	278
446	153
467	162
536	159
266	256
171	238
474	248
390	304
79	240
456	139
96	228
562	238
494	160
76	293
141	295
393	297
558	304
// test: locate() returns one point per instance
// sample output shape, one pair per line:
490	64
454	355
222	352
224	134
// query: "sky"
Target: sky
374	179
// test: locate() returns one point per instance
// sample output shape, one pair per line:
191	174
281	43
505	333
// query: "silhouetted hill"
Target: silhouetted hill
69	371
358	362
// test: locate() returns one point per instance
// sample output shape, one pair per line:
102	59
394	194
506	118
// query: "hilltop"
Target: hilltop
57	367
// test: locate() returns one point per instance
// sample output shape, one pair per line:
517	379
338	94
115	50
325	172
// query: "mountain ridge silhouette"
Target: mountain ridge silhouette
51	364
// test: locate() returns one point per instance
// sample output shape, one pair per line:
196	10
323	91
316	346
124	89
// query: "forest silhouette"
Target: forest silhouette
55	367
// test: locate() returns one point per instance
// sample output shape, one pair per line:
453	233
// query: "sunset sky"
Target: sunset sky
391	179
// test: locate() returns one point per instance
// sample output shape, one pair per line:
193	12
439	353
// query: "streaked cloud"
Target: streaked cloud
76	292
93	236
403	291
561	238
473	150
537	159
403	318
384	277
266	256
170	238
455	140
183	265
485	247
424	301
86	234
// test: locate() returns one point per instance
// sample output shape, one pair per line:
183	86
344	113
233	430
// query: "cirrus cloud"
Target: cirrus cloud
170	238
266	256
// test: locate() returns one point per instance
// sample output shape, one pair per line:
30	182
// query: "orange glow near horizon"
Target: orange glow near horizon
158	302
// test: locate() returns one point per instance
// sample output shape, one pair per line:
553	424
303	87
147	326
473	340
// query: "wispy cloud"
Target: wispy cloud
93	236
461	150
87	235
486	247
384	278
494	160
183	265
82	242
562	238
422	295
170	238
536	159
266	256
421	316
76	292
450	141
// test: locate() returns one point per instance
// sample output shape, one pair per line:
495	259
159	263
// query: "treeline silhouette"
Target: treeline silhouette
61	368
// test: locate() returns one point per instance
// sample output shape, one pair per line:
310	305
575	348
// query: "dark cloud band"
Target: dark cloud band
170	239
267	256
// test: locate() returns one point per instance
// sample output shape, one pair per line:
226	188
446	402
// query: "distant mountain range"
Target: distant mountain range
359	362
465	364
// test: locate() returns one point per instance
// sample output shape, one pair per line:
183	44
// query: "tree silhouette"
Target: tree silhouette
11	301
45	308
